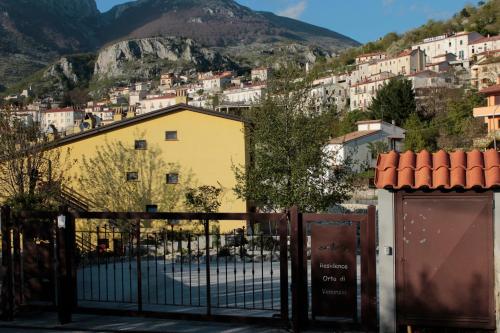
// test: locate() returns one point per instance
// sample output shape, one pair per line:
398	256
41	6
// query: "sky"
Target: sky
363	20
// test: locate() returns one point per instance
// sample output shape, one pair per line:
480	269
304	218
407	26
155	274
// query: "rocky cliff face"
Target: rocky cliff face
145	57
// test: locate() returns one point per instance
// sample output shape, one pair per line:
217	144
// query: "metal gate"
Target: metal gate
180	265
320	245
444	260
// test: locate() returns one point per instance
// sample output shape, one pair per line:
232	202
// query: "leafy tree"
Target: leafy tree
415	138
378	147
457	127
348	120
289	164
104	179
205	199
30	174
394	101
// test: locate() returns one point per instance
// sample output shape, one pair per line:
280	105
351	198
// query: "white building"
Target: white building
63	119
361	94
217	82
457	43
245	95
135	97
260	74
368	57
153	103
428	79
481	45
356	145
330	94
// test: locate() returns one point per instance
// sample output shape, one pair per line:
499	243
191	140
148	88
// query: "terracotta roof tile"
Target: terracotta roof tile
424	170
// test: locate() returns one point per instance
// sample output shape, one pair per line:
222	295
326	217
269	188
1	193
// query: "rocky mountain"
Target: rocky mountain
213	23
146	57
35	33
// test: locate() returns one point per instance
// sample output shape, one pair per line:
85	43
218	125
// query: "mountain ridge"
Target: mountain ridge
35	33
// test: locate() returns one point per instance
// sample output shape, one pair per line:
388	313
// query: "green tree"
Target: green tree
289	164
30	174
394	101
348	120
415	139
204	199
378	147
457	127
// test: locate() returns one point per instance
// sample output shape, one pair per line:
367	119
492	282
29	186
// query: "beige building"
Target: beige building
217	82
489	43
486	70
167	80
457	43
63	119
260	74
368	57
154	103
245	94
362	93
405	63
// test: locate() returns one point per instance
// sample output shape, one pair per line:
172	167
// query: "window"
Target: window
132	176
151	208
141	144
171	135
172	178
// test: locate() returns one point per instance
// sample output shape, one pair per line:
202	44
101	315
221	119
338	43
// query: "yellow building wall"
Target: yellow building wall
208	146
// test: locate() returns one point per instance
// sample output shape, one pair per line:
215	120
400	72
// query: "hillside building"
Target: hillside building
261	74
63	119
481	45
457	43
356	145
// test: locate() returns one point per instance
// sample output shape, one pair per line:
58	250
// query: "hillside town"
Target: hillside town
460	60
224	166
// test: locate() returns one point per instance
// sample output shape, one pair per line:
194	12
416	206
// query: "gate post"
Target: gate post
300	307
65	299
7	293
139	264
283	234
368	271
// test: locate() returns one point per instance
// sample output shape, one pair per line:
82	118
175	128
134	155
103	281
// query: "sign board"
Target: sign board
333	270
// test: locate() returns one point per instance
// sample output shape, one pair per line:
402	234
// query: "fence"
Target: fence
175	265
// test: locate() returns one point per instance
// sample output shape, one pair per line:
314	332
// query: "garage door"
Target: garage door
444	259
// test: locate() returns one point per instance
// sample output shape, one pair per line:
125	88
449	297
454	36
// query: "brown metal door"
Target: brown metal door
444	259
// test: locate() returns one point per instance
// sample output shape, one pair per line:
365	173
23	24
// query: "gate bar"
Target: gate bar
283	234
7	265
207	263
368	271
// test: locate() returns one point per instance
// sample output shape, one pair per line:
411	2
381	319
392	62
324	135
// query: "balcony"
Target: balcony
487	111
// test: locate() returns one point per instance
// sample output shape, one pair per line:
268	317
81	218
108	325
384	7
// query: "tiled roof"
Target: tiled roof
67	109
490	90
456	170
485	39
352	136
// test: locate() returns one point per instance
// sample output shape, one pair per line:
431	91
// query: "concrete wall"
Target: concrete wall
386	265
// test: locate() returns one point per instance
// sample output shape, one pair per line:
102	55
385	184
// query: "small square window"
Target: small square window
132	176
151	208
141	144
171	135
172	178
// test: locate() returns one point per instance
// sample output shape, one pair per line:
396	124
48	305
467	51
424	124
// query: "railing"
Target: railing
145	262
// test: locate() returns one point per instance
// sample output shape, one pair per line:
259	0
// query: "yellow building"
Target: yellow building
189	144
